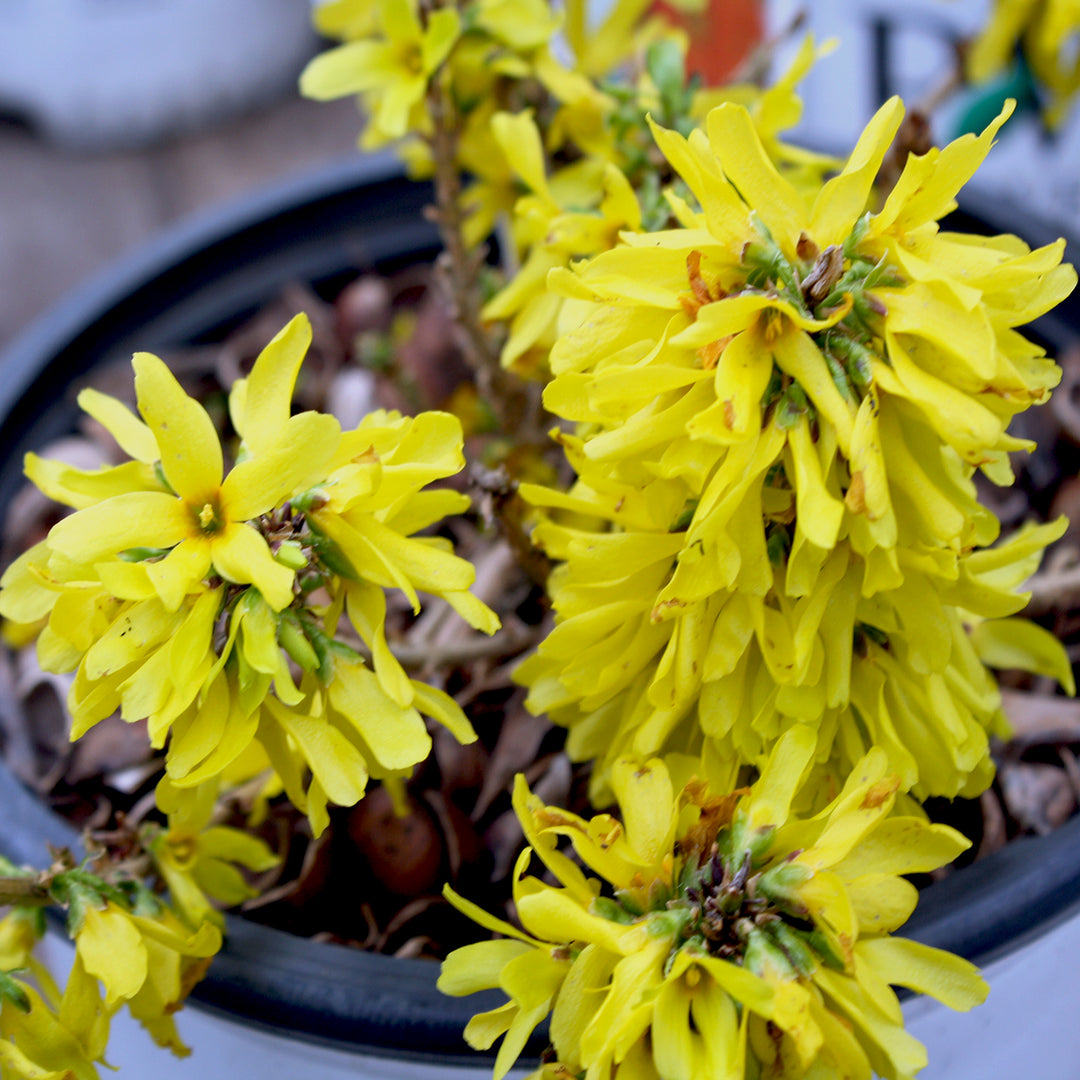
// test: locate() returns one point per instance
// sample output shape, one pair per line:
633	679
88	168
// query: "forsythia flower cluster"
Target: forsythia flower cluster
779	406
726	937
180	594
132	948
483	61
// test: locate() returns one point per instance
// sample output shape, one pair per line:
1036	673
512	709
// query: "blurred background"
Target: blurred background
119	117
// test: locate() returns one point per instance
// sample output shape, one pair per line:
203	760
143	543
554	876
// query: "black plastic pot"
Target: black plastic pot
193	285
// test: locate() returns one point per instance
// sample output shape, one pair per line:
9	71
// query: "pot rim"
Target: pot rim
324	993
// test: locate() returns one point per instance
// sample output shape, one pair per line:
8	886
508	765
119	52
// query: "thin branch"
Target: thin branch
24	892
505	642
1053	590
462	265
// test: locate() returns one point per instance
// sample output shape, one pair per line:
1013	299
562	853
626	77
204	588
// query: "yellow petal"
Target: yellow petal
333	759
478	967
552	914
676	1051
348	69
929	183
187	441
181	572
443	29
782	775
397	736
140	519
296	456
80	488
1025	646
797	355
440	706
869	490
843	199
519	140
736	143
130	433
269	388
646	800
819	511
366	605
953	981
111	948
240	554
903	845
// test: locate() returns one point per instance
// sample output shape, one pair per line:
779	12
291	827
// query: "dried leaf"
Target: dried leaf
1039	719
520	736
1040	797
108	747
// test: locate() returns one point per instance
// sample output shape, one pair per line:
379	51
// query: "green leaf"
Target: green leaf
141	554
666	67
331	556
12	990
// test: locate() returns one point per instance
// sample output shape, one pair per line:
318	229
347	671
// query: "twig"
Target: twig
24	892
1053	590
462	265
505	642
942	92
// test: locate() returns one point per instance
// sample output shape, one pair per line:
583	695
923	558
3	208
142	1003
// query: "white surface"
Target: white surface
106	73
1026	1028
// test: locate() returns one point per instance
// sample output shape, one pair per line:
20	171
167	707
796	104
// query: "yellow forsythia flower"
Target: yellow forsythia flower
150	963
39	1042
658	647
603	203
198	860
739	940
766	307
180	595
42	1037
390	68
781	405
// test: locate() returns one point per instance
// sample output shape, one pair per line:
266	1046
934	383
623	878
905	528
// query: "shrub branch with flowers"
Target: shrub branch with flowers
770	379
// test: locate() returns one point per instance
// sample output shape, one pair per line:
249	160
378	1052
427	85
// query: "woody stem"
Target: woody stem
23	892
462	265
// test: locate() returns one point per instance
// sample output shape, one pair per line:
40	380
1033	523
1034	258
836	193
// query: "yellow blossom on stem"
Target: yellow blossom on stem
197	859
210	605
148	962
733	938
42	1041
202	522
656	648
390	69
780	408
42	1037
764	309
551	233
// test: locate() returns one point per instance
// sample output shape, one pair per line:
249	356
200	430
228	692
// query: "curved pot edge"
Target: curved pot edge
92	299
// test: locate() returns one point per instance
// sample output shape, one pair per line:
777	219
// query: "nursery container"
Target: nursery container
333	1011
